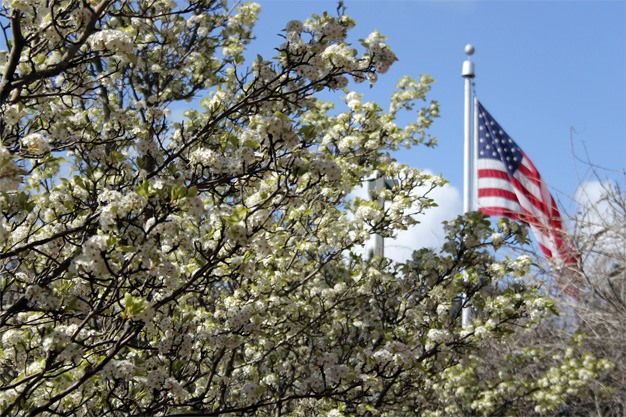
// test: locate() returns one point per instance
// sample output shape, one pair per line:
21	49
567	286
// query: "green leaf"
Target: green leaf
192	192
252	144
144	189
133	306
126	249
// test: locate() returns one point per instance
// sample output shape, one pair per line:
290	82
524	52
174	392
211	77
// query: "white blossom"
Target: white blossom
112	40
11	113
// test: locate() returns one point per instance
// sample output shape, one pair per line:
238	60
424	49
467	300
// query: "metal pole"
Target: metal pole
468	74
379	242
375	186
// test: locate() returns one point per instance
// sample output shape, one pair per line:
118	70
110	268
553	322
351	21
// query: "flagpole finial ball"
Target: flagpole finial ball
469	49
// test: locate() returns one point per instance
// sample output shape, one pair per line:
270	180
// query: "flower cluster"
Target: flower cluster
112	40
325	168
381	53
11	113
36	143
92	259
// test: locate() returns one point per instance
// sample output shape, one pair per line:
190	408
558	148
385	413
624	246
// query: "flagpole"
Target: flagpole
467	73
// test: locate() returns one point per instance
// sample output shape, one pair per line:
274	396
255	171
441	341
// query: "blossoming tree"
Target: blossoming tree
203	265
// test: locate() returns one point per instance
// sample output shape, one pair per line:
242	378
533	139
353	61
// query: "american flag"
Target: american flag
509	185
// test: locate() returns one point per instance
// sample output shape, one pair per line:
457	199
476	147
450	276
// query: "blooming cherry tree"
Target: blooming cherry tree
204	266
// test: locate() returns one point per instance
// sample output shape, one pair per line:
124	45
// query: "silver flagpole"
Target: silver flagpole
376	184
467	73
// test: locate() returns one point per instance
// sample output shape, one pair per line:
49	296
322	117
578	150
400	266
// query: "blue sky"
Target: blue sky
542	68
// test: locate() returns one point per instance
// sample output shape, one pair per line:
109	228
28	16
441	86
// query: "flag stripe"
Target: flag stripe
518	189
495	169
497	192
509	185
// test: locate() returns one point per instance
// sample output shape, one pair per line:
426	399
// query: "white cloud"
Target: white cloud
428	232
595	211
600	221
590	192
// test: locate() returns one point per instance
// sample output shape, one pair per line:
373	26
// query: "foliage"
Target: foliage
601	314
591	319
154	265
